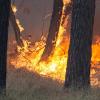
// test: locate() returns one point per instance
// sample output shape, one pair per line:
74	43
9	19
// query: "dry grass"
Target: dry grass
24	85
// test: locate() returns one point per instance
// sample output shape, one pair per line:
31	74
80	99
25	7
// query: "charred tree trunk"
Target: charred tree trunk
54	28
4	22
79	55
16	28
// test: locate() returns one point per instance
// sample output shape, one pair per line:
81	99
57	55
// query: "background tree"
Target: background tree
16	28
54	28
4	22
79	55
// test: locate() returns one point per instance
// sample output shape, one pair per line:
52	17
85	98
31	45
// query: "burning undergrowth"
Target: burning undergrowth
29	57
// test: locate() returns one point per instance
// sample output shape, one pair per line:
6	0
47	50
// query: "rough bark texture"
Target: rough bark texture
16	28
79	55
54	28
4	22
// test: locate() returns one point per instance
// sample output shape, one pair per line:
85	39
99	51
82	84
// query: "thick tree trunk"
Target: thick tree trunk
16	28
4	22
54	28
79	55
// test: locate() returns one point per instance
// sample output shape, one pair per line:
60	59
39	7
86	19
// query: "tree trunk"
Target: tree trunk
79	55
54	28
16	28
4	22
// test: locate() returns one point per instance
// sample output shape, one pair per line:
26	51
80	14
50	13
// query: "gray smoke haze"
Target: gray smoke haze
32	12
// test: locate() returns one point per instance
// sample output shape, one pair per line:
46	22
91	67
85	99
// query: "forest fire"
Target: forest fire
54	67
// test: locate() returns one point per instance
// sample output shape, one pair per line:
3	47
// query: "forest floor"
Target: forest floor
24	85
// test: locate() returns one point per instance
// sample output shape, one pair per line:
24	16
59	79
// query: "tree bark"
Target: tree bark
4	22
16	28
54	28
79	55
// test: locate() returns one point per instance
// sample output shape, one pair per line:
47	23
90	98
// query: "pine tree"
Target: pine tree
4	22
54	28
79	55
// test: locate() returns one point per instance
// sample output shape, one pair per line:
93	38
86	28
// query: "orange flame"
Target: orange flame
17	20
14	8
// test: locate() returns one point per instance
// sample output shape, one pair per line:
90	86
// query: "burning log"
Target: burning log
16	28
54	28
